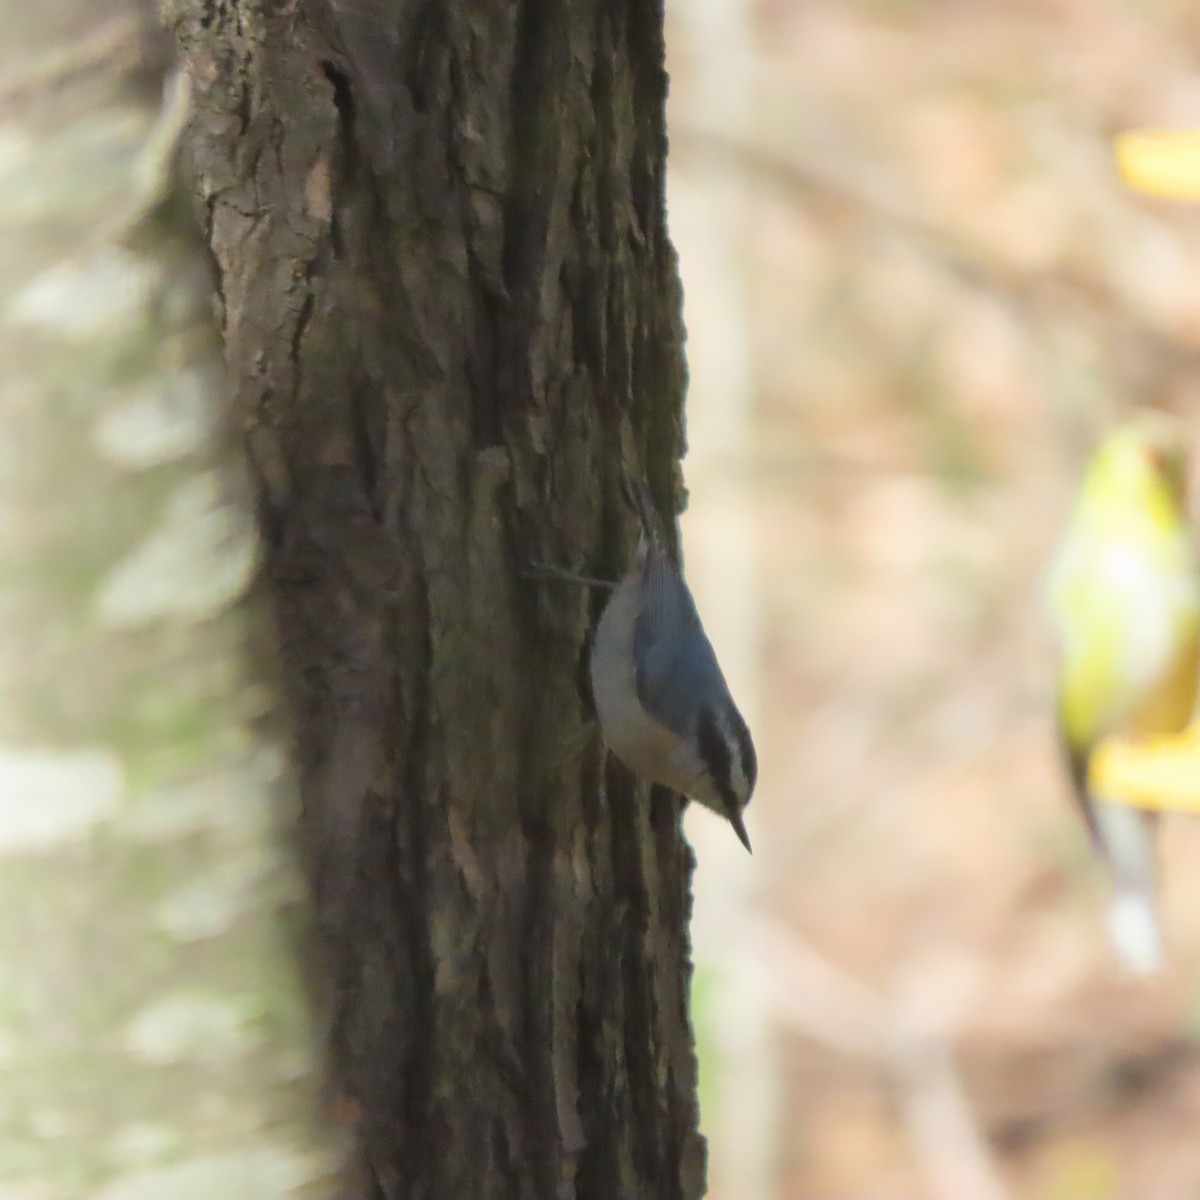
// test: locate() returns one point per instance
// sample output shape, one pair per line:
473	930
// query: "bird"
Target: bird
1124	596
663	705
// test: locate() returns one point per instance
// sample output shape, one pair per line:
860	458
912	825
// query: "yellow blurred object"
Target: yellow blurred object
1160	162
1081	1169
1125	598
1159	774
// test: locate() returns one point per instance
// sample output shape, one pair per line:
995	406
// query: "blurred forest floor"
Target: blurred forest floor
947	296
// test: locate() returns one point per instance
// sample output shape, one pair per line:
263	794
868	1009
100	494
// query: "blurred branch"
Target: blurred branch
787	174
1027	296
115	45
742	1115
815	998
774	463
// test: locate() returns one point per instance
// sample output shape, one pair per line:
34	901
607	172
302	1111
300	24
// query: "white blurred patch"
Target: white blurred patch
199	559
91	298
1136	937
187	1027
1154	616
266	1173
50	797
167	422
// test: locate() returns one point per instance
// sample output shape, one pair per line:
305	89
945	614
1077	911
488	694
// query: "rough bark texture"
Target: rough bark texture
452	307
154	1040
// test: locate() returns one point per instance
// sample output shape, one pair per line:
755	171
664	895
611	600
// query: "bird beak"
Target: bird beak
739	827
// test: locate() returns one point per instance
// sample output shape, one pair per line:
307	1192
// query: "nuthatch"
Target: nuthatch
664	707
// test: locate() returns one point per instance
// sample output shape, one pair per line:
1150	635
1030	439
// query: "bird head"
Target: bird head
1144	460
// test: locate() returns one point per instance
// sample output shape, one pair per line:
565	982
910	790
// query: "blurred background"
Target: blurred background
916	294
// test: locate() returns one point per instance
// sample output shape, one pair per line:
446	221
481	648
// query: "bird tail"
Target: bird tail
637	491
1134	923
1136	934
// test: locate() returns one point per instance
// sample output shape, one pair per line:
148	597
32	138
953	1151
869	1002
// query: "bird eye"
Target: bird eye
1170	464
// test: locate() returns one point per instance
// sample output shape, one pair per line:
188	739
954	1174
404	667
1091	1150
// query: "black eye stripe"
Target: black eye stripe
745	745
714	752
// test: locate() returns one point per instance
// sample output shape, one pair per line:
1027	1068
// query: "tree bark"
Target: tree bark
452	310
154	1036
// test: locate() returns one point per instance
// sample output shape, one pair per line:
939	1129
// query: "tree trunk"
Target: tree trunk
452	309
154	1037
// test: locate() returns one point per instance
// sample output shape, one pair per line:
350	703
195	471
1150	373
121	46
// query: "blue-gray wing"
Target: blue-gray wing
674	660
